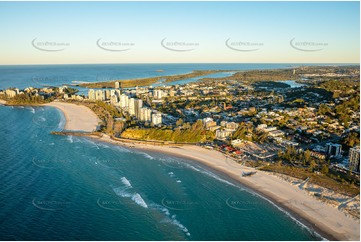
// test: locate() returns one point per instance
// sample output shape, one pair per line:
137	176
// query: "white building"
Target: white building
114	99
123	101
157	118
145	114
223	134
10	93
158	94
131	108
99	95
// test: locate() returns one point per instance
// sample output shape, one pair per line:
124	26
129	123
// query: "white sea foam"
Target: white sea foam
170	219
179	225
173	163
122	149
61	124
51	144
139	200
126	182
102	145
70	138
32	109
147	156
208	173
92	143
122	192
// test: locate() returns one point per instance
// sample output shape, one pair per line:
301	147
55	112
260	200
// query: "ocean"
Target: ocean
75	188
23	76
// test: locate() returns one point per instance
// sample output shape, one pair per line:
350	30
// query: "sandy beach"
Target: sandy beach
328	221
78	117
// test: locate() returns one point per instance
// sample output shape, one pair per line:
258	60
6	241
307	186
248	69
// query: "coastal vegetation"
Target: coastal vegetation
192	134
259	75
26	99
150	80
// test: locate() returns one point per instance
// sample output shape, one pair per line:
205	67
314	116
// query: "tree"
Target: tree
179	122
306	156
312	165
324	169
323	109
351	139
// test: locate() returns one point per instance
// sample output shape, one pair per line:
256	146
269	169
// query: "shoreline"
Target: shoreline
325	220
78	117
328	222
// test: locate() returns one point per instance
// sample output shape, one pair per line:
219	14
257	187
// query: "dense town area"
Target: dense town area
303	122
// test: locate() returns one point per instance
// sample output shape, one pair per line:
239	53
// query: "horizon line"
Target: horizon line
178	63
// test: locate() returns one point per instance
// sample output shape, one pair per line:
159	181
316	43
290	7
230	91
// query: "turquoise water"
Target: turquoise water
74	188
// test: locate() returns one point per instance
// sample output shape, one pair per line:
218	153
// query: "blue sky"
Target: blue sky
261	32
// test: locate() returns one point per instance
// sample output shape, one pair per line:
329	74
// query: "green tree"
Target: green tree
324	169
312	165
179	122
306	156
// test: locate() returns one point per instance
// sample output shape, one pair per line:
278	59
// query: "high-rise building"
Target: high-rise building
156	118
158	94
123	101
117	85
131	109
354	159
138	104
118	92
145	114
114	99
100	95
91	94
333	149
107	94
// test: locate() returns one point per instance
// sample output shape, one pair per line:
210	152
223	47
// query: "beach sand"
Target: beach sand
78	117
328	221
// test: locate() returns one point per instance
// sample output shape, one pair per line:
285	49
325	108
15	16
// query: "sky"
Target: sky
179	32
